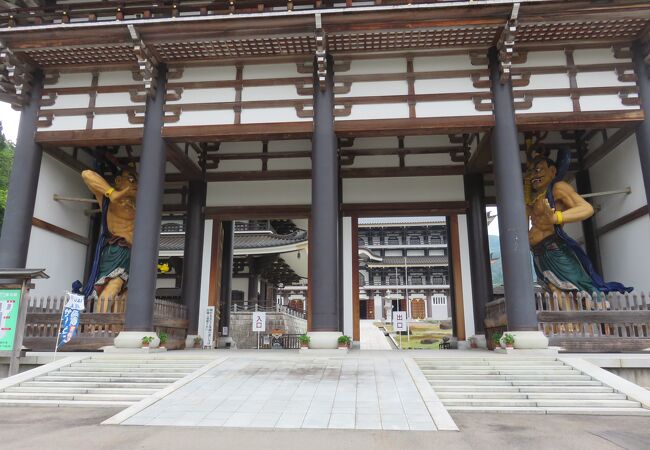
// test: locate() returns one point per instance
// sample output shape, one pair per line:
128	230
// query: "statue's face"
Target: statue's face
127	181
542	175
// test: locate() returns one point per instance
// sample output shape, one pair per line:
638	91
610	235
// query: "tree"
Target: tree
6	161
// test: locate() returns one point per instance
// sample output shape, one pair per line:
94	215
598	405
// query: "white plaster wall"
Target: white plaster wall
62	258
549	105
405	189
257	193
347	277
205	273
625	251
466	273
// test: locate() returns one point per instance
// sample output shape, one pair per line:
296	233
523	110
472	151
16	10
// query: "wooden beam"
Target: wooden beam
577	120
65	158
236	133
610	144
182	162
480	160
60	231
257	212
627	218
404	209
90	138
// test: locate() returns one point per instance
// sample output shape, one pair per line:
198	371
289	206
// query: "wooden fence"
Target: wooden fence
585	323
100	322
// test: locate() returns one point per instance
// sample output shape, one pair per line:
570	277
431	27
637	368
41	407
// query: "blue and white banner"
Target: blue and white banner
70	319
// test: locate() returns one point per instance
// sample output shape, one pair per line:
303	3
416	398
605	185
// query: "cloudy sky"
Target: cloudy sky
9	119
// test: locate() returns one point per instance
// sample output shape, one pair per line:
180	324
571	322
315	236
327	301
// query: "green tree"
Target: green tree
6	160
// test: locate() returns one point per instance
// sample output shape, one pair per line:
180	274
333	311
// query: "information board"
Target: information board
399	320
208	328
9	308
259	321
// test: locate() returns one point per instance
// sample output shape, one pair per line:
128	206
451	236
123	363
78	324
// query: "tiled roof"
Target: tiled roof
402	220
265	240
410	260
176	242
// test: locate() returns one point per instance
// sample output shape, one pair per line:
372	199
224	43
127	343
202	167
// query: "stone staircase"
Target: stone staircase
543	385
116	380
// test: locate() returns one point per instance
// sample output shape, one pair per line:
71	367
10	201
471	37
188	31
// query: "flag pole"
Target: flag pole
58	331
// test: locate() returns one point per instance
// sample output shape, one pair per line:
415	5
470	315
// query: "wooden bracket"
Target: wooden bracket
147	71
506	43
15	78
482	104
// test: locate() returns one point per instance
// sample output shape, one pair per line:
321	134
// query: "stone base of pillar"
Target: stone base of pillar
551	351
133	339
139	351
529	340
324	339
480	340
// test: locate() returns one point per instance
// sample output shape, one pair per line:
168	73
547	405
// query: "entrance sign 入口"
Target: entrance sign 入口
259	324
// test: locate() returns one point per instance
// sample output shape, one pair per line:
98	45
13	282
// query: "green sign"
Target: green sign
9	303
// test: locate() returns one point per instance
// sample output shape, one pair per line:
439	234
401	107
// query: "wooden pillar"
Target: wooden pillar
513	224
458	307
325	211
225	291
23	183
149	200
193	255
643	129
355	279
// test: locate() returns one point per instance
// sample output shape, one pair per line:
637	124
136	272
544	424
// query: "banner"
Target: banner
70	319
9	307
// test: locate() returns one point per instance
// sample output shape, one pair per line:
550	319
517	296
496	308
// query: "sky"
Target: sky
9	119
494	226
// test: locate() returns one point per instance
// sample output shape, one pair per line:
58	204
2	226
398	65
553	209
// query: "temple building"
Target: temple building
227	115
404	266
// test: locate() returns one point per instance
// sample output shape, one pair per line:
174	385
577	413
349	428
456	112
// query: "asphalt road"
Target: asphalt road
44	428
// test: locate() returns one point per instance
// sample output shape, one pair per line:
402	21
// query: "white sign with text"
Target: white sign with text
259	321
399	320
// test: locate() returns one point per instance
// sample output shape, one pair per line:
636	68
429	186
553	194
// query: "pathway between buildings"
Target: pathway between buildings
371	337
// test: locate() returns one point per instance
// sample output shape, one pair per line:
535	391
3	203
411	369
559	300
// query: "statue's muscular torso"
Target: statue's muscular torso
542	216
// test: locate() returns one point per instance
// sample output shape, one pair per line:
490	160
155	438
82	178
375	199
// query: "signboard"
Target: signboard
9	307
208	327
259	321
399	321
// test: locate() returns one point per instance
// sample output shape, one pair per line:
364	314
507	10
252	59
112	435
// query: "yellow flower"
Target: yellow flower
163	268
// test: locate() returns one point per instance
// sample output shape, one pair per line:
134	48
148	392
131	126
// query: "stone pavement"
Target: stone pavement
286	390
371	337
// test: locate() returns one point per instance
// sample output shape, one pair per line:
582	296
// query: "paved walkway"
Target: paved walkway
299	391
371	337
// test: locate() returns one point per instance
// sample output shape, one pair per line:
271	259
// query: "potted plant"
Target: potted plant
198	342
509	339
496	340
163	338
304	341
344	342
146	341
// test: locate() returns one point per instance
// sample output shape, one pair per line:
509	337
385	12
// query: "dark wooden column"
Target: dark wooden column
513	225
479	249
253	283
225	294
643	130
17	226
325	213
146	237
583	183
193	254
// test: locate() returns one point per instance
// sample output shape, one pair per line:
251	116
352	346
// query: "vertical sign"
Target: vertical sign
259	324
399	320
9	307
208	327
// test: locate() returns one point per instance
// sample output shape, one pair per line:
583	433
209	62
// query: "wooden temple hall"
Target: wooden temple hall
322	112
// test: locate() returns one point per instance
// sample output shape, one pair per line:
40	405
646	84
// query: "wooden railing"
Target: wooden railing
585	323
100	322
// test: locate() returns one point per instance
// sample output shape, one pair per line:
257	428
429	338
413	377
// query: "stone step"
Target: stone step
516	372
145	369
542	403
61	396
80	390
524	389
496	367
104	360
476	361
86	403
519	377
106	379
553	410
444	396
86	384
118	374
96	366
500	382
